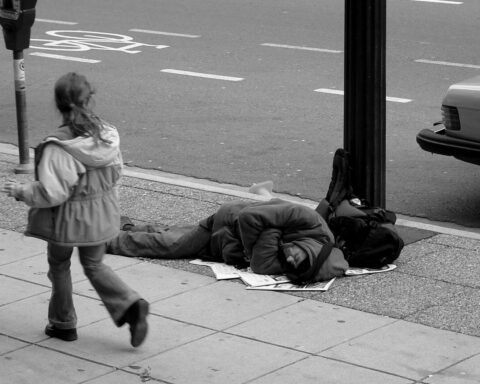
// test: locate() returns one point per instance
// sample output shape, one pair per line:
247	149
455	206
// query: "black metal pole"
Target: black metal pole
364	125
25	165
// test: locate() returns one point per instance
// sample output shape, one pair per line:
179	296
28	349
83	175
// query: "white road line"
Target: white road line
447	63
57	21
301	48
164	33
205	75
440	1
61	57
338	92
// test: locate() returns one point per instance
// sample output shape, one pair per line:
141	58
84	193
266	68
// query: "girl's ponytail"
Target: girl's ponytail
73	98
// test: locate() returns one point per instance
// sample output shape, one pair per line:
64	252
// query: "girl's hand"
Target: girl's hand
10	188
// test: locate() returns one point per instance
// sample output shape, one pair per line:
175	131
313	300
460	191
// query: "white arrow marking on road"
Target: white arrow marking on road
205	75
164	33
57	21
448	63
301	48
338	92
61	57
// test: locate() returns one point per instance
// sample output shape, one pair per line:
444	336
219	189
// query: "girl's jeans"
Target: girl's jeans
115	294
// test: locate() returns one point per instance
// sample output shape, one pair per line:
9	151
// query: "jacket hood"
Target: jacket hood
310	246
93	152
320	267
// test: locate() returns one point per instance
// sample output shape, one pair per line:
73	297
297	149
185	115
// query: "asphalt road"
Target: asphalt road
244	91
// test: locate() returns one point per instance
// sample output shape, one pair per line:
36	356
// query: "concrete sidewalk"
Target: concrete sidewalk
416	324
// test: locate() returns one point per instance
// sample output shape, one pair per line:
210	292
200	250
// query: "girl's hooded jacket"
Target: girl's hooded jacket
74	199
254	233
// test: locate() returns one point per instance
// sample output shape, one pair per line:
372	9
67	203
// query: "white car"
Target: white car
458	134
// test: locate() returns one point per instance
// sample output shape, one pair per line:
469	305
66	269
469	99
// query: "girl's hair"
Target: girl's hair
73	95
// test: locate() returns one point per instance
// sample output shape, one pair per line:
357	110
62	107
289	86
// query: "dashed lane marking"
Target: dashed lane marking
425	61
339	92
56	21
164	33
204	75
61	57
301	48
440	2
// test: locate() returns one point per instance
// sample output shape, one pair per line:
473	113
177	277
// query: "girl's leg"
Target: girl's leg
115	294
123	303
61	312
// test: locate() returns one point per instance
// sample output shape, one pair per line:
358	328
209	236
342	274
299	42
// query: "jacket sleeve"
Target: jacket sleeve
58	172
227	247
265	258
285	216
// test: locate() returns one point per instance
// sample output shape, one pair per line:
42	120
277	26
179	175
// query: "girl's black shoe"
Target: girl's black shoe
62	334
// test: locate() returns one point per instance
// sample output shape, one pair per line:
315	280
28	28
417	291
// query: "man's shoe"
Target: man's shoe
62	334
340	187
136	316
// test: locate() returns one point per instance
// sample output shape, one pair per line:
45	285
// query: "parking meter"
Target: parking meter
16	18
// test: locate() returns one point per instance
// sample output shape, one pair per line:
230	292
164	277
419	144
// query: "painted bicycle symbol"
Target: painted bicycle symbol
80	41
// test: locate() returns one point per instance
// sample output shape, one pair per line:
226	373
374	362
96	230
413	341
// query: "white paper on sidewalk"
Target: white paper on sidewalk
261	282
320	286
221	271
256	280
365	271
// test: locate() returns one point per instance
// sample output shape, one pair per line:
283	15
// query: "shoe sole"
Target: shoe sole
55	334
139	332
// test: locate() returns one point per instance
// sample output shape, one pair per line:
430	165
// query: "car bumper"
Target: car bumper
438	142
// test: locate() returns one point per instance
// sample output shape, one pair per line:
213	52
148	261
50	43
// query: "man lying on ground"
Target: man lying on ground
271	237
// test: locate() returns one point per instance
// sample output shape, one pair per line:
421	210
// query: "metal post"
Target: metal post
364	125
25	165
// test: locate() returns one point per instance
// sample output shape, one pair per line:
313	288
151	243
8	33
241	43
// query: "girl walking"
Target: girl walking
73	203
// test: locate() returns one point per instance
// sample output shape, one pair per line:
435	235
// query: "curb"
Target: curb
242	193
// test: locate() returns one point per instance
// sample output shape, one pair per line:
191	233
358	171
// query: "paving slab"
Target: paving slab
458	314
221	305
26	319
412	235
408	350
105	343
312	326
465	372
220	359
453	265
316	369
456	241
7	344
14	290
153	282
121	377
390	294
35	268
164	208
16	246
418	250
35	364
